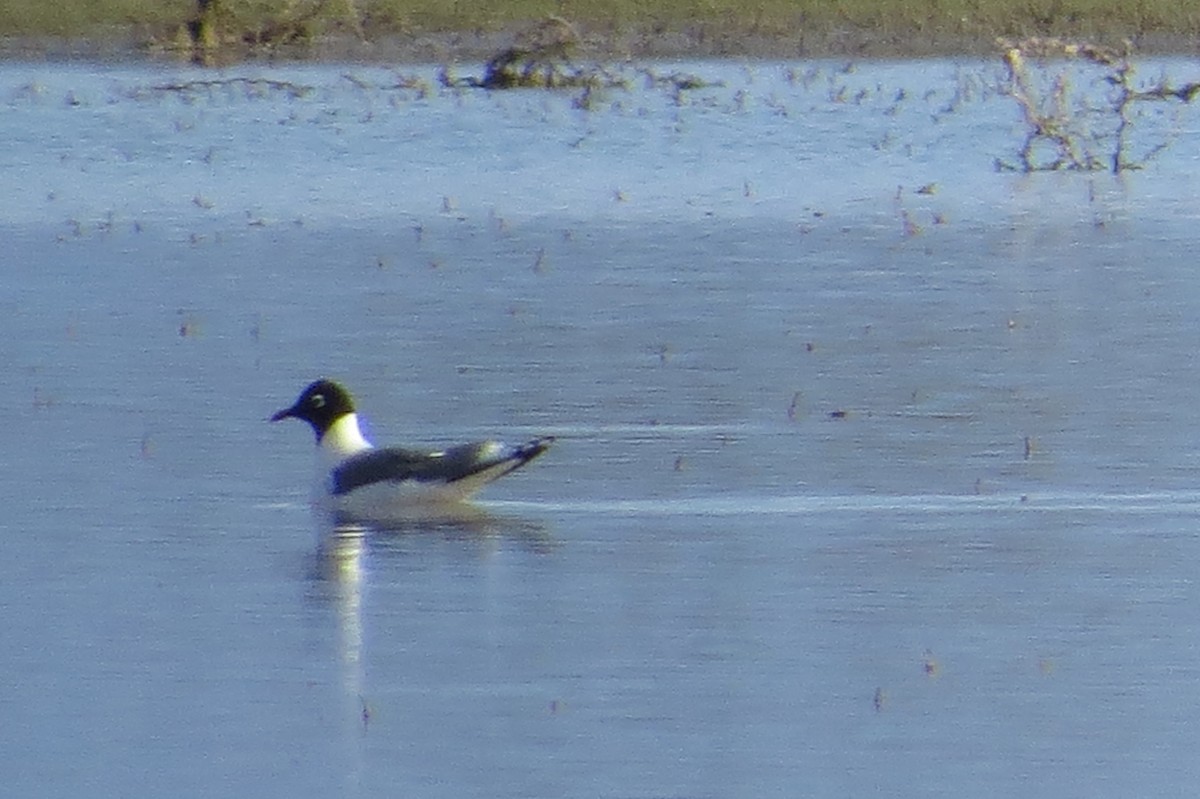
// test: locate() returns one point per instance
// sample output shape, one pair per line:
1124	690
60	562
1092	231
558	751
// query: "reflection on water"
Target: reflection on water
342	574
344	548
340	559
465	521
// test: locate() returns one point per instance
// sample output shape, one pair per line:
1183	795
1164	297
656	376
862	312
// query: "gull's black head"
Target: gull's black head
321	404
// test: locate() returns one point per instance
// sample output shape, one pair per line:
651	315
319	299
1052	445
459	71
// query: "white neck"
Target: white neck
343	438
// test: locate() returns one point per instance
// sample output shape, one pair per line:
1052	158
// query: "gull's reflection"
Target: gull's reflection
346	549
340	555
462	521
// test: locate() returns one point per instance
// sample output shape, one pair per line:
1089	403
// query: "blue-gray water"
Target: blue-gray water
859	489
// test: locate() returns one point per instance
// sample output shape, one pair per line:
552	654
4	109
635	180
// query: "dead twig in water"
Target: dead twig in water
1065	129
292	89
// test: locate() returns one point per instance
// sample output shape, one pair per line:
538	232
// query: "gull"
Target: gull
356	479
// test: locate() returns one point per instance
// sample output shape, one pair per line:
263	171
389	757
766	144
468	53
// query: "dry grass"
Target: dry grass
887	20
87	17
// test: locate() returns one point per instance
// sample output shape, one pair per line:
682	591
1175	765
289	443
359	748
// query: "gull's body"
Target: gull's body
357	479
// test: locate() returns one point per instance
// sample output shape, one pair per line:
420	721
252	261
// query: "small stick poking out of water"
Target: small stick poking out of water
365	711
796	408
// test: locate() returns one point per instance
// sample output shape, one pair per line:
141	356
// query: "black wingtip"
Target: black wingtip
536	447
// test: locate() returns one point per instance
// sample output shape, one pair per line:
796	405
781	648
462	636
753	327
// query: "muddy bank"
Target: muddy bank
697	42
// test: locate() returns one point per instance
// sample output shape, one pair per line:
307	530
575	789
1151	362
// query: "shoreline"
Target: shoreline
465	47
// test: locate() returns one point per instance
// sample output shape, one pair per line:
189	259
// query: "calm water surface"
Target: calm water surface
877	475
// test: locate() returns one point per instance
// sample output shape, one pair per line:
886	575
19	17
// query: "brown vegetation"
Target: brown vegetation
1080	104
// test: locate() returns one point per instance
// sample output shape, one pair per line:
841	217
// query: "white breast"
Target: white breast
342	439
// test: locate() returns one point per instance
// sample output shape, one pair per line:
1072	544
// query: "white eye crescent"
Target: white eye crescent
318	400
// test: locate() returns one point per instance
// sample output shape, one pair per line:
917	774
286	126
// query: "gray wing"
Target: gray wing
376	466
395	465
